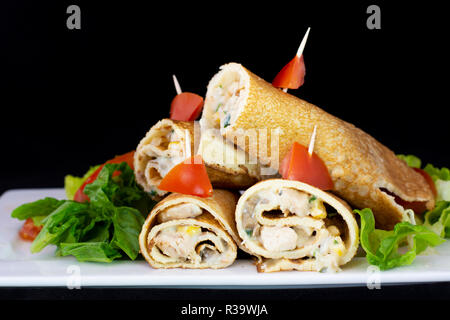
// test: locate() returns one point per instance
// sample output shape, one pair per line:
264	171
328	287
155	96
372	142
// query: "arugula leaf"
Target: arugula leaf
72	183
382	247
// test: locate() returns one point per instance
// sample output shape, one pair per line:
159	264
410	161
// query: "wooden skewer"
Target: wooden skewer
177	85
303	43
301	48
312	141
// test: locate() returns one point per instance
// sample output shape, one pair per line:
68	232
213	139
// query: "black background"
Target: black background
74	98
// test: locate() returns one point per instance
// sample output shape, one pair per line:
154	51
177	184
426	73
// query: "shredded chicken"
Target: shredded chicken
324	241
181	211
166	152
278	238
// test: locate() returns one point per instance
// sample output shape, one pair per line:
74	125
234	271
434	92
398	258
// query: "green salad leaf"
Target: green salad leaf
441	178
384	248
72	183
412	161
90	251
39	208
100	230
438	219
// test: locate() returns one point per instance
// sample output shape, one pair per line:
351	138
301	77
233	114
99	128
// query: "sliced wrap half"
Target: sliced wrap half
365	172
166	144
290	225
185	231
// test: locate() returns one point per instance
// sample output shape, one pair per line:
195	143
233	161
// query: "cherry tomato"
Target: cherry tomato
29	230
299	165
186	106
188	177
292	76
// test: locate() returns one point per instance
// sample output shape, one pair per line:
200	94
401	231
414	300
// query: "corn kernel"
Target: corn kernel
173	144
318	210
190	230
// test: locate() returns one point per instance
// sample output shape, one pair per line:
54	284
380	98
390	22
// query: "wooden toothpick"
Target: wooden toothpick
312	141
303	43
301	48
177	85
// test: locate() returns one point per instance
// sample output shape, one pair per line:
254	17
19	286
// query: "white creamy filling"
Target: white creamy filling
326	244
165	159
188	242
224	100
180	211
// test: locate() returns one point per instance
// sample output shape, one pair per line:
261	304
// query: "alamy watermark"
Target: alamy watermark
74	277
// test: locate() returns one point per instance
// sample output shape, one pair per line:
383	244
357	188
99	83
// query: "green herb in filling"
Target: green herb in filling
227	121
249	232
313	198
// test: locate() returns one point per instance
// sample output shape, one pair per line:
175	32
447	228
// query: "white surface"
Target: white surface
18	267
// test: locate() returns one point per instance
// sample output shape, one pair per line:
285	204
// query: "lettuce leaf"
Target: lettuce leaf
99	230
67	218
438	219
37	208
384	248
90	251
411	160
72	183
436	173
441	178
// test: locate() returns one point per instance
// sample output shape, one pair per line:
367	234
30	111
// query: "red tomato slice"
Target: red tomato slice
418	207
428	179
292	76
299	165
127	157
29	231
186	106
188	177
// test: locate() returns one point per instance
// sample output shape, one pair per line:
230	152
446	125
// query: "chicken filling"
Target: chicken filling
187	242
224	100
288	220
165	151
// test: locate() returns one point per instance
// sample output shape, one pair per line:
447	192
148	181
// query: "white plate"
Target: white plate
18	267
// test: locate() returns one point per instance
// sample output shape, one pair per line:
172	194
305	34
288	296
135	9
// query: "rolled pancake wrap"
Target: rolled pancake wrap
290	225
164	146
185	231
365	172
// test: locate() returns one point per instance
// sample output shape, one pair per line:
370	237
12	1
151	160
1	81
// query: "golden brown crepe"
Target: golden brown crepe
290	225
167	143
364	172
184	231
